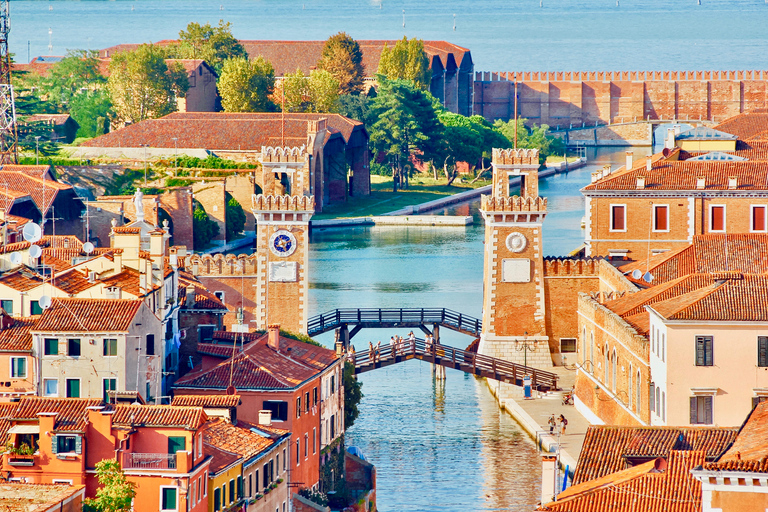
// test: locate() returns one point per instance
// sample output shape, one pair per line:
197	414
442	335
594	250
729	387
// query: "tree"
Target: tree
353	393
469	139
143	86
356	106
116	493
203	228
212	44
235	217
318	92
403	122
534	137
406	60
343	59
245	86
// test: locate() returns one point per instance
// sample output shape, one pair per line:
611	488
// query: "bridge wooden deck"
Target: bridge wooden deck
377	318
451	357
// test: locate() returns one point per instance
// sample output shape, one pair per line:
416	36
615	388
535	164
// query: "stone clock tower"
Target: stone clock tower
513	290
282	244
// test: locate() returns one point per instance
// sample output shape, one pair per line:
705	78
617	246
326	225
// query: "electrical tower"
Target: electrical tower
8	135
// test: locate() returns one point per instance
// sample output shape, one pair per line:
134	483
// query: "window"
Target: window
256	478
701	410
73	388
306	445
298	407
168	498
663	406
717	218
652	398
306	401
51	347
108	385
239	486
66	444
232	491
34	308
205	481
591	352
762	351
250	485
193	494
704	351
216	500
614	366
110	346
18	367
663	346
314	441
658	401
205	333
759	219
150	344
298	451
333	428
661	218
285	461
629	388
73	347
333	384
265	476
314	396
568	345
583	345
50	387
7	306
224	494
176	444
199	483
618	217
277	463
279	409
638	390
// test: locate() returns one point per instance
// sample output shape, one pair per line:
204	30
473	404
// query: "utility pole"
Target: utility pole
8	135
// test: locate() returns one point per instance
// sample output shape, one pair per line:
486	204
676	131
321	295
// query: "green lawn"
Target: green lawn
382	200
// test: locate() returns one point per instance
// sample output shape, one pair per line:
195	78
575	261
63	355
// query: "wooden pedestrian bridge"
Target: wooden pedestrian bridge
451	357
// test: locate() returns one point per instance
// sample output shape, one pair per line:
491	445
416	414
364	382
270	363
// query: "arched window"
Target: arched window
583	345
639	391
592	352
629	388
652	398
614	365
606	365
658	401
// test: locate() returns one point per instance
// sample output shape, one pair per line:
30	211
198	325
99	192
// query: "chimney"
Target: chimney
117	257
701	183
265	417
669	142
648	164
640	182
733	182
191	297
548	478
596	176
606	170
274	336
630	154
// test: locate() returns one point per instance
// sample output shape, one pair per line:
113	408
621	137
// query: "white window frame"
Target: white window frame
655	208
80	386
610	218
205	487
65	482
160	499
45	388
752	217
109	378
725	219
26	368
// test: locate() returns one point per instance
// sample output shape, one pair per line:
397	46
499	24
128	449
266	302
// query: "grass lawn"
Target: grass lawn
382	200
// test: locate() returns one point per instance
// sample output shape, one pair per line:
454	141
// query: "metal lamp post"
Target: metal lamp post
37	150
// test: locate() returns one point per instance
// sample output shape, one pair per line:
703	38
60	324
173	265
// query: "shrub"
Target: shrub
204	229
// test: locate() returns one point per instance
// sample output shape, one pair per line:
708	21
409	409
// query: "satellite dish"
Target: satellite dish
35	251
636	274
44	302
88	247
32	232
647	277
16	258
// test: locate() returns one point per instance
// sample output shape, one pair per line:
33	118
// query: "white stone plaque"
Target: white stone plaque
283	271
516	270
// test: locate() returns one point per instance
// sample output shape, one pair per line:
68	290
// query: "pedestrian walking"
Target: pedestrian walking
371	354
563	424
552	422
352	354
393	345
378	350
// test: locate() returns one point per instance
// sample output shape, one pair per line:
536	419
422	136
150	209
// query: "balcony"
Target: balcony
150	461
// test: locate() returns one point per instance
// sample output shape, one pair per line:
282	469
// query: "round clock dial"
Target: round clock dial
282	243
516	242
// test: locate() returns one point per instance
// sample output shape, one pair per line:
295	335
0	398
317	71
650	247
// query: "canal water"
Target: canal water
437	447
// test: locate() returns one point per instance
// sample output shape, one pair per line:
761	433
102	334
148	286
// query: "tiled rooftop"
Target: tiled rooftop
220	459
22	279
88	315
71	412
17	337
607	448
745	126
171	416
704	133
18	497
207	401
235	439
752	442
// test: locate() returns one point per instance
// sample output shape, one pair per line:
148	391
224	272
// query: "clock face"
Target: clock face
282	243
516	242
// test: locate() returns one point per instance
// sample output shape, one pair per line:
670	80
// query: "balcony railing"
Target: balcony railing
149	461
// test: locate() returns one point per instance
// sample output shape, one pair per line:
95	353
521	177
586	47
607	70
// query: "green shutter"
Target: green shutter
54	444
694	415
78	445
176	444
169	498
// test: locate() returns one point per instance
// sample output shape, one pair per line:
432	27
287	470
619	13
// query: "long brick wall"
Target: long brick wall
565	99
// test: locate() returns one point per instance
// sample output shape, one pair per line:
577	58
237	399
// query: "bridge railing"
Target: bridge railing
439	354
332	319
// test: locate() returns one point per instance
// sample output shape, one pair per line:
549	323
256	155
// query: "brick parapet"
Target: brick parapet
503	157
286	203
278	154
513	204
222	265
621	76
571	266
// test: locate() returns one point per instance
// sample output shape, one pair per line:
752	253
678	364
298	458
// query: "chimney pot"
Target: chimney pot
648	164
701	183
669	142
191	296
733	182
640	182
265	417
630	154
273	339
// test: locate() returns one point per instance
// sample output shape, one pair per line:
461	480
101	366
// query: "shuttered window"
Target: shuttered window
701	410
762	351
717	218
661	218
618	217
704	349
758	218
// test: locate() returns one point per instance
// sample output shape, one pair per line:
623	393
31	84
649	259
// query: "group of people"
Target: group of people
559	423
397	346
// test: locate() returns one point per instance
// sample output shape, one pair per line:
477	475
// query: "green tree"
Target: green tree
235	217
143	86
318	92
353	394
203	228
115	493
212	44
356	106
245	86
403	123
534	137
469	139
343	59
406	60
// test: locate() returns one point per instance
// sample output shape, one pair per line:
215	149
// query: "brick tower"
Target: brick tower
513	292
282	243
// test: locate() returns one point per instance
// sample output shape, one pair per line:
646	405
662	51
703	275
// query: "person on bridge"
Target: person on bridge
377	352
351	354
393	345
371	353
412	339
563	424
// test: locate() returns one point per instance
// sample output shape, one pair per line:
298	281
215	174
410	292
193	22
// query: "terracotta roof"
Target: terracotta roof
73	281
56	119
752	442
128	280
7	411
126	230
28	497
746	466
22	279
235	439
170	416
43	191
17	337
208	401
653	486
230	336
220	459
204	299
224	131
745	126
71	412
217	350
608	448
88	315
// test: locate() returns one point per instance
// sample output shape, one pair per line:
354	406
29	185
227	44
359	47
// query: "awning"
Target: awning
24	429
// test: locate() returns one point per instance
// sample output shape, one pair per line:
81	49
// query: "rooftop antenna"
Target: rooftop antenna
8	136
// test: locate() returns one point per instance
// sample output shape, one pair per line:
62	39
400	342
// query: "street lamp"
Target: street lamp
525	346
37	150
